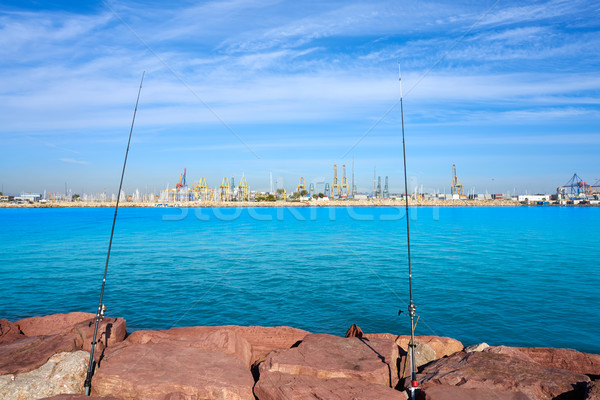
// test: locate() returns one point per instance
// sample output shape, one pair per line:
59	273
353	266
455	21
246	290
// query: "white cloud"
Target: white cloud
73	161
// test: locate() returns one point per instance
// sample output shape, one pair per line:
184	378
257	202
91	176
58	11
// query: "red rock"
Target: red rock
262	339
9	332
571	360
501	372
29	353
443	346
52	324
78	397
171	370
281	386
593	391
327	357
265	339
223	340
354	331
446	392
110	332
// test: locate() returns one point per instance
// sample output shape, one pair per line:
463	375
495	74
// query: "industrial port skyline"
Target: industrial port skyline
509	92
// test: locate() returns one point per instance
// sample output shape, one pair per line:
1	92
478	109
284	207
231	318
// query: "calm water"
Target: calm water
515	276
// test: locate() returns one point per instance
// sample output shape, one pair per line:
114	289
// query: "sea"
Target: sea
516	276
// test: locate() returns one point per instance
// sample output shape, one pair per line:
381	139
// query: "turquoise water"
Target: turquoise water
516	276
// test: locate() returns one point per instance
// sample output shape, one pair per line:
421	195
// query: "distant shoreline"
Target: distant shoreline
281	203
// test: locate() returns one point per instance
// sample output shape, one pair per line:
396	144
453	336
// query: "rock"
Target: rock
63	373
266	339
282	386
262	340
78	397
52	324
354	331
110	332
567	359
171	370
443	346
502	372
571	360
476	347
328	357
222	340
9	332
30	353
446	392
592	391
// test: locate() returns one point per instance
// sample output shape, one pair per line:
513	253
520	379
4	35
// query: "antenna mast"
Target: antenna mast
101	307
411	307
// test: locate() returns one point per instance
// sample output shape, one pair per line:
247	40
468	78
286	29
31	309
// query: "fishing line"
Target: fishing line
102	307
411	307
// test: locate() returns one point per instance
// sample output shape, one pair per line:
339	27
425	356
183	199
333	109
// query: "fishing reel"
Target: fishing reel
101	312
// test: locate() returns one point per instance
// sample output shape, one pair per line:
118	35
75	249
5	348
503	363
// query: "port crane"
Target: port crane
456	187
335	184
181	182
344	187
301	185
245	193
577	186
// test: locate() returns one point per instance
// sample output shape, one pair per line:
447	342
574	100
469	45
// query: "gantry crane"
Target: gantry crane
344	188
203	189
301	185
456	187
225	190
577	186
335	184
245	193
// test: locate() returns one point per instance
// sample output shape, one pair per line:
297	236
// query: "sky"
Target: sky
509	91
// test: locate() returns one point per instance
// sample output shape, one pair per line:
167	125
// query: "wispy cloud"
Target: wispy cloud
73	161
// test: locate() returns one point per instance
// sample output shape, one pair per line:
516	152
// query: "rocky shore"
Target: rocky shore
46	358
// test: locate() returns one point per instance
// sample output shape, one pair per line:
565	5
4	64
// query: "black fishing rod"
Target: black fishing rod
411	307
102	307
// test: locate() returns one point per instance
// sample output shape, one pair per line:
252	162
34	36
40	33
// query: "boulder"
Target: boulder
502	372
110	332
168	369
9	332
282	386
52	324
29	353
571	360
446	392
476	347
443	346
221	340
262	339
592	391
78	397
63	373
329	357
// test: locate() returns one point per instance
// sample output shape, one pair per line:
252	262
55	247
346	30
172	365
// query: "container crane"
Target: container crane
344	188
335	184
245	193
456	187
301	185
577	186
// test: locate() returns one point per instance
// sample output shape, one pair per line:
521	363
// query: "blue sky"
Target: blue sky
508	91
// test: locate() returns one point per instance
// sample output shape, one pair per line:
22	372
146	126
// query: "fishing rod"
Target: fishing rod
102	307
411	307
